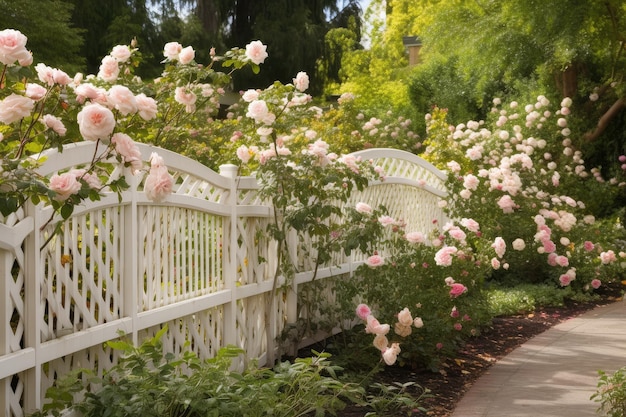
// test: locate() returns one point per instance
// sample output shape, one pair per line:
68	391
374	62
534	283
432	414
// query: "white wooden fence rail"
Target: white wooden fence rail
130	266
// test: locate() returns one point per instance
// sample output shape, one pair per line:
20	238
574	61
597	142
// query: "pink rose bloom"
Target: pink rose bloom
466	317
552	259
44	73
250	95
122	99
470	182
256	52
128	150
499	245
92	180
301	82
171	50
187	98
457	234
35	91
374	261
147	106
454	313
390	355
548	245
404	317
109	69
373	326
439	346
458	326
457	289
380	342
449	281
386	220
589	246
244	154
186	55
89	91
507	204
565	280
350	161
519	244
608	257
562	260
258	110
415	237
495	263
159	183
64	185
13	48
96	122
418	323
363	208
362	311
443	257
60	77
595	283
54	123
14	108
121	53
470	224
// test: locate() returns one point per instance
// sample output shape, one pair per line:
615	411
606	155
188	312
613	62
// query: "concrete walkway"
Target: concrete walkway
554	373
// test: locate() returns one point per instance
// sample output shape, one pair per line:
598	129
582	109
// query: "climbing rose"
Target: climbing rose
374	327
159	183
64	185
13	48
363	208
256	52
362	311
14	108
390	355
96	122
301	82
374	261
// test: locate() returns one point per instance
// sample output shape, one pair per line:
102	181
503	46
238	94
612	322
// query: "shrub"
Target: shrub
611	393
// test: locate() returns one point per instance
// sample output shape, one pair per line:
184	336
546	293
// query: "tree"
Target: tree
51	37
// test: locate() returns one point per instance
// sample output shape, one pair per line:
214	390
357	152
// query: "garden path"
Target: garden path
555	373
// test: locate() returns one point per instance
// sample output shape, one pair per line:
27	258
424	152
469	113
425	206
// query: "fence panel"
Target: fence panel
198	262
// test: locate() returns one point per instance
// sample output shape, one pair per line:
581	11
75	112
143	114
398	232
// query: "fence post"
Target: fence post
131	281
229	253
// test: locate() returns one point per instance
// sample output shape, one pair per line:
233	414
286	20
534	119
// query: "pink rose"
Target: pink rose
109	69
89	91
608	257
415	237
363	208
121	53
390	355
14	108
418	322
457	289
92	180
565	280
186	97
381	342
35	91
470	224
458	326
404	317
258	110
256	52
250	95
386	220
362	311
60	77
13	48
589	246
244	154
454	313
499	245
159	183
54	123
64	185
171	50
301	82
128	150
96	122
122	99
147	106
374	261
186	55
595	283
373	326
443	257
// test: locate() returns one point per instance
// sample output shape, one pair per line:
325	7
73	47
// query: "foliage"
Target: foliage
514	299
148	381
611	393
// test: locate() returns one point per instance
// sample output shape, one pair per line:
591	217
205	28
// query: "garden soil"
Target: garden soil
457	375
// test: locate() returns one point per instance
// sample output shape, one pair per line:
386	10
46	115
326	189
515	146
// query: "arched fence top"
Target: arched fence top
402	167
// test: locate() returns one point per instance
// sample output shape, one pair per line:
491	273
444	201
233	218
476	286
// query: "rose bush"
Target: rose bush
44	108
540	209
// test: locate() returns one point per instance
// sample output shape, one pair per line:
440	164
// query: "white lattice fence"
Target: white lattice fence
198	262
